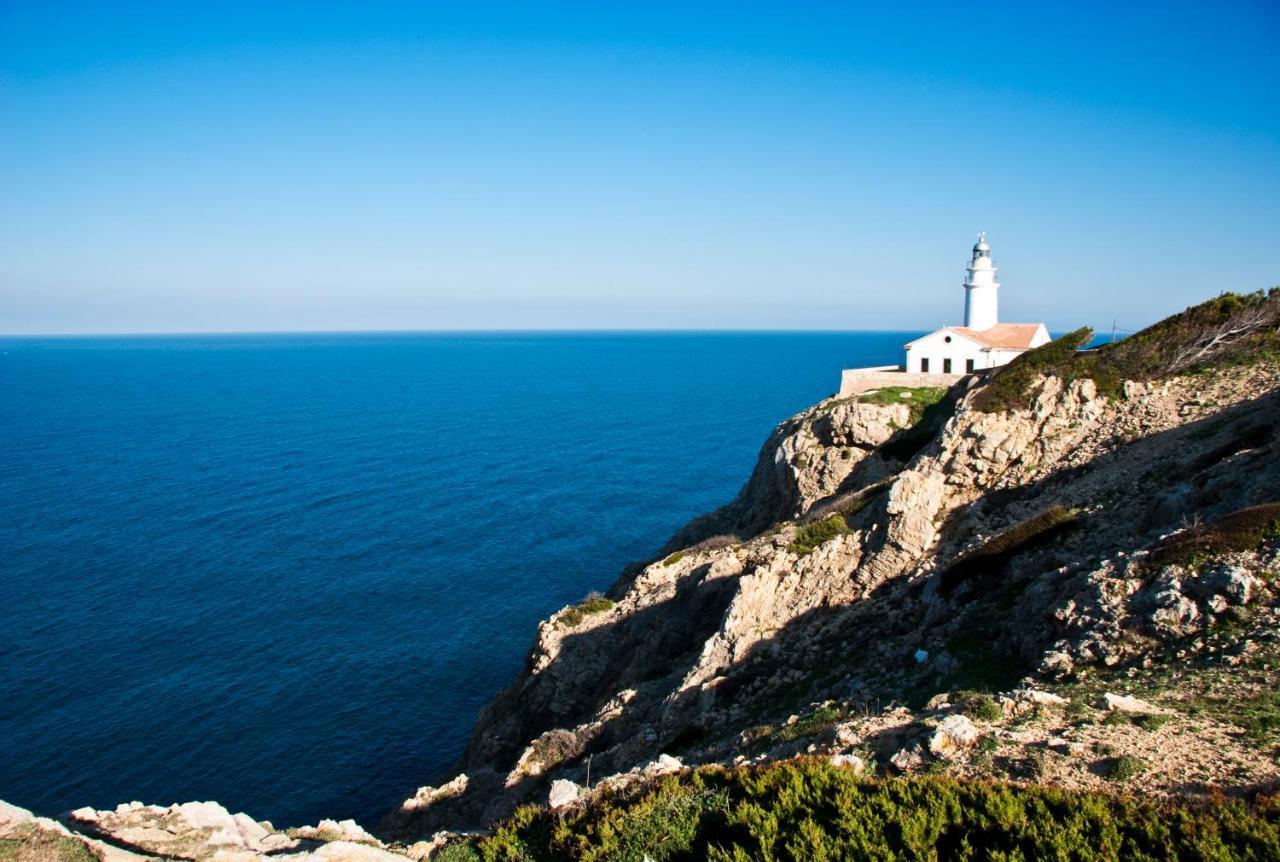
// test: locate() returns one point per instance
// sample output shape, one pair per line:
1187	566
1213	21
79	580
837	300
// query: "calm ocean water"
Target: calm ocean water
286	571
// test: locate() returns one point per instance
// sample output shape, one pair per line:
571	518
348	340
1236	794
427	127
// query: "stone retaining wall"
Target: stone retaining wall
854	381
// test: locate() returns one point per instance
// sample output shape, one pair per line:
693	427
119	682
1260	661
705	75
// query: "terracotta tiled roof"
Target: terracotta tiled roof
1015	336
1007	336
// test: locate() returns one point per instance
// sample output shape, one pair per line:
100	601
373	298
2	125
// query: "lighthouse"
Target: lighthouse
945	355
981	288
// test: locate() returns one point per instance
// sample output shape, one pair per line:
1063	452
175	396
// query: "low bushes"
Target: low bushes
1010	386
1241	530
808	809
809	537
592	604
1230	329
992	556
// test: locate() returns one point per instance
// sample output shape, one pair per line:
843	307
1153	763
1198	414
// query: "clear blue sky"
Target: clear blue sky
260	166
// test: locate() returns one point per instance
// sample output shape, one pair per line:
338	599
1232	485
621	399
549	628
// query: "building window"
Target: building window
924	365
968	365
946	366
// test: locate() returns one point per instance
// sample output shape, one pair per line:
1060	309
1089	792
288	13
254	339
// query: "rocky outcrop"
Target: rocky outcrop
196	831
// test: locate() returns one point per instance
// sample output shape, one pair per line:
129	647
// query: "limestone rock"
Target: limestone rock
192	830
954	735
1127	703
664	765
1235	584
909	759
428	796
849	761
335	830
563	792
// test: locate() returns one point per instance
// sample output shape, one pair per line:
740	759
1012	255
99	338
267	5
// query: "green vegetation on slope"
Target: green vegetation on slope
1230	329
917	399
593	604
1241	530
810	537
992	556
808	809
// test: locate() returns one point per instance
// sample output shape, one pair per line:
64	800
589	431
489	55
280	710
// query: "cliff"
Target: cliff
1060	573
1009	560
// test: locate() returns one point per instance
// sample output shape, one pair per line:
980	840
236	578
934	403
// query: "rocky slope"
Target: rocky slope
1065	573
886	565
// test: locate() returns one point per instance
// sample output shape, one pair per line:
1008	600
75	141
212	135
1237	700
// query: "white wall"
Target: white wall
943	345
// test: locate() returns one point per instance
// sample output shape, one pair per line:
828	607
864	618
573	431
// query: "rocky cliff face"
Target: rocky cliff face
871	566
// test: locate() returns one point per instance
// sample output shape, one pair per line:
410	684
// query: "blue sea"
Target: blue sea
285	572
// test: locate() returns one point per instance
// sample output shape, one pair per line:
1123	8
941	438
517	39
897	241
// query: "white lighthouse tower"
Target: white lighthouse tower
980	289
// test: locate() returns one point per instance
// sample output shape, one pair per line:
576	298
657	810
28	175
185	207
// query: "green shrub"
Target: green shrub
674	558
1259	717
809	537
592	604
807	809
1126	767
1241	530
1010	386
458	852
984	708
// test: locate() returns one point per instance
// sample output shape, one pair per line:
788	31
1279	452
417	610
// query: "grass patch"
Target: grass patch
807	809
1152	721
39	845
1241	530
992	556
1258	717
1126	767
592	604
810	537
918	399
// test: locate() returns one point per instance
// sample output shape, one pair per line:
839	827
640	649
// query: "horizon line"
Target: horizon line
441	331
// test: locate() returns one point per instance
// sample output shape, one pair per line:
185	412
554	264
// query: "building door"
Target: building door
968	365
946	366
924	365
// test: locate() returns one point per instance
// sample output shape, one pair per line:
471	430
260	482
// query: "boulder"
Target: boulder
563	793
849	761
1235	584
909	759
954	735
1127	703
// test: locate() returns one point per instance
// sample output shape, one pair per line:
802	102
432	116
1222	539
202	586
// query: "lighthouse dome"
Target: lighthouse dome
981	245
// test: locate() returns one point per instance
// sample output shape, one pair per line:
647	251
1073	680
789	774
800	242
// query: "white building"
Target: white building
983	341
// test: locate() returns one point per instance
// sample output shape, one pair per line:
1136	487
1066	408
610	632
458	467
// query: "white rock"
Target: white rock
1127	703
848	734
1041	698
953	735
428	796
908	759
850	761
563	792
664	765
